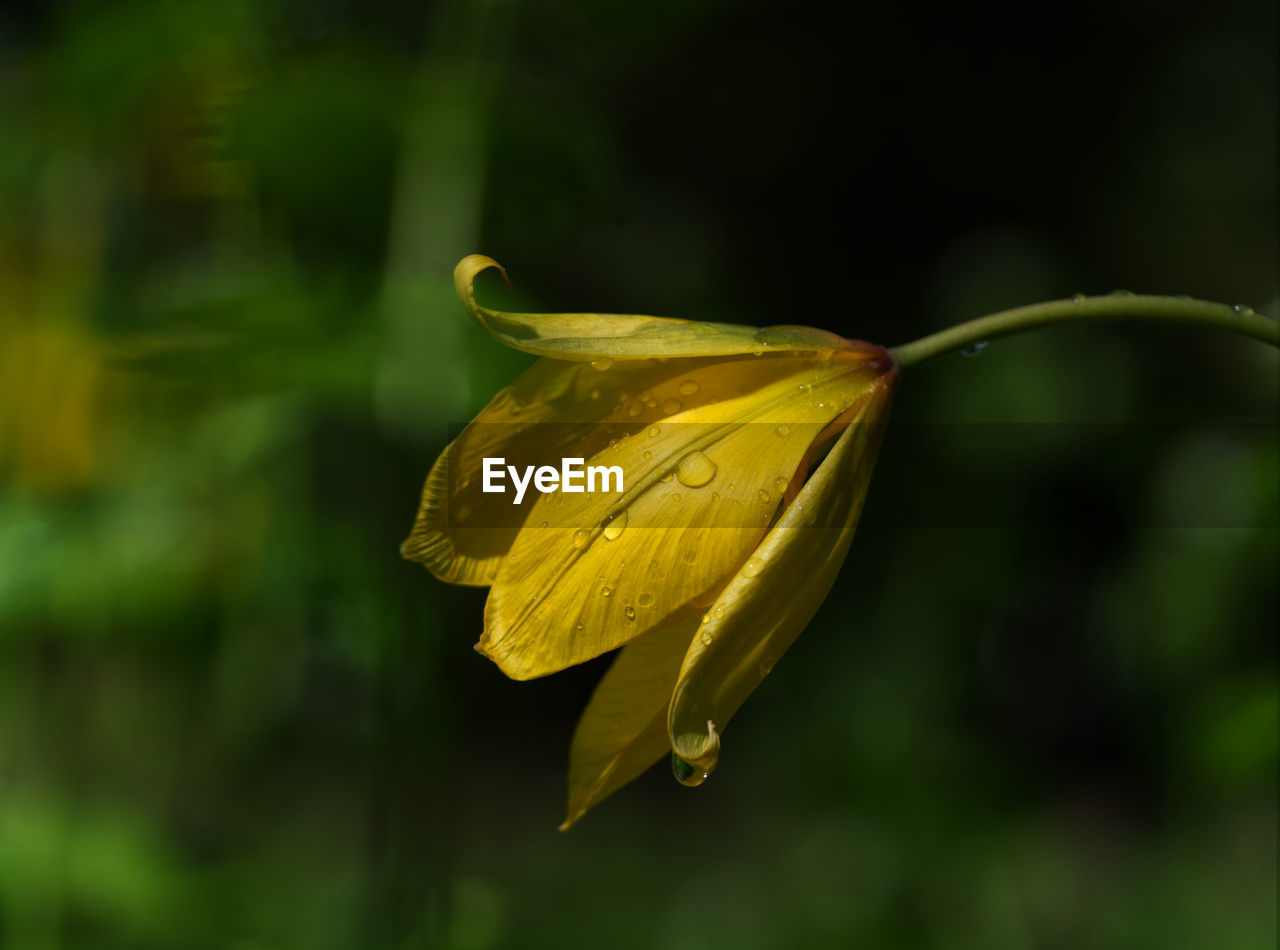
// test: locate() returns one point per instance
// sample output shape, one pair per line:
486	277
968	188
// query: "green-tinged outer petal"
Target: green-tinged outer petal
623	730
551	410
593	336
765	606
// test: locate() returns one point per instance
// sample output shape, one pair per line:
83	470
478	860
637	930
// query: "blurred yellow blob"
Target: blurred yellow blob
50	383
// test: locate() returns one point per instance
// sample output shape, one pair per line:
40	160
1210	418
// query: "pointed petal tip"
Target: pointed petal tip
412	549
421	552
509	663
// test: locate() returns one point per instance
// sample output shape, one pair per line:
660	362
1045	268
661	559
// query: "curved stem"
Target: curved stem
1137	307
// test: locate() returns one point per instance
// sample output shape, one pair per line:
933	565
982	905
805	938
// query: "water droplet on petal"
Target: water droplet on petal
601	364
672	406
705	638
654	431
782	431
689	555
580	538
974	349
764	496
780	483
686	773
1243	310
1077	298
766	665
614	527
695	469
635	409
688	387
606	592
630	613
645	600
753	567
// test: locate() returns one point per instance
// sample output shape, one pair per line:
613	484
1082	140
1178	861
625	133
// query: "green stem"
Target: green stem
1137	307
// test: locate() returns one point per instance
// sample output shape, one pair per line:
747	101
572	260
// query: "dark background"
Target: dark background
1039	708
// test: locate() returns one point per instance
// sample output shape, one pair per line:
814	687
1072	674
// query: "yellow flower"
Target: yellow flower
705	566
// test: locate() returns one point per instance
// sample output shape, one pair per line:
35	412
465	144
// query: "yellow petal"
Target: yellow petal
623	730
702	488
770	600
461	533
592	336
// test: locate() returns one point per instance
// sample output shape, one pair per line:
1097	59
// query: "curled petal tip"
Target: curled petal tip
464	276
472	264
697	754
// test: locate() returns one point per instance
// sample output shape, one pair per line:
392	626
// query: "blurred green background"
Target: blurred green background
1039	709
